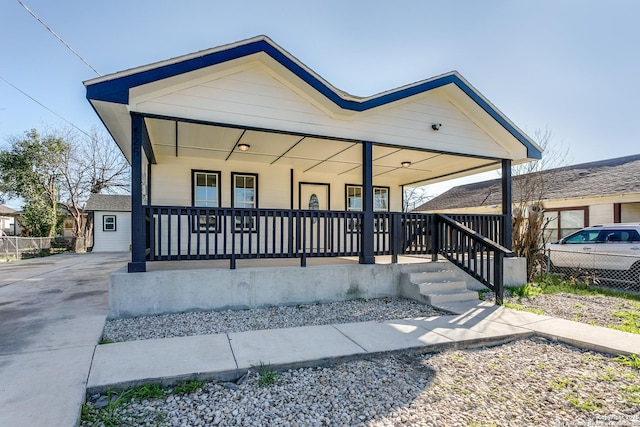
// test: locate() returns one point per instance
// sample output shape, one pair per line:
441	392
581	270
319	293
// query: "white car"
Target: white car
613	250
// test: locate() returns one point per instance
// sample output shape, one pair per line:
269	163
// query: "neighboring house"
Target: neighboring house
111	216
8	221
242	152
574	197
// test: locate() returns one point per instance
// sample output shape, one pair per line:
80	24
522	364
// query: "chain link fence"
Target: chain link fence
606	269
14	247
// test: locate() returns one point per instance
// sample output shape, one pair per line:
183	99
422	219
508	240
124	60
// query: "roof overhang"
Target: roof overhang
114	97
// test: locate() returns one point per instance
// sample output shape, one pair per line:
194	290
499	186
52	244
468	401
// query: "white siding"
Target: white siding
255	96
601	214
112	241
630	212
171	183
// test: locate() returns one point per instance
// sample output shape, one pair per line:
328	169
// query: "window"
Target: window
563	222
206	187
380	198
380	204
354	198
206	194
108	223
584	236
244	195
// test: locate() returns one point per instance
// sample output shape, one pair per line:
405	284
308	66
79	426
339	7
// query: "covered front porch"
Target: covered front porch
243	153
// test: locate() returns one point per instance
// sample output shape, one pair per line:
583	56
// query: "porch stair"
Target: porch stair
436	284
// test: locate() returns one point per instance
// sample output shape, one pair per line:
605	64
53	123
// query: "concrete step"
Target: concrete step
449	297
426	266
434	287
432	276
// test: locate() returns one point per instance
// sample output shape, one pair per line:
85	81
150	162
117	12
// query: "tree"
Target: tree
57	172
93	164
29	170
529	188
414	197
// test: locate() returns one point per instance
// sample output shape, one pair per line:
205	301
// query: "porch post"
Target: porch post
366	230
506	204
138	238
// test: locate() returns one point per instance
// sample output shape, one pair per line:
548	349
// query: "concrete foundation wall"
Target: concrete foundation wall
156	292
175	291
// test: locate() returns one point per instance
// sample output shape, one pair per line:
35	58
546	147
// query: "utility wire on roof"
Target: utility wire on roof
58	37
41	104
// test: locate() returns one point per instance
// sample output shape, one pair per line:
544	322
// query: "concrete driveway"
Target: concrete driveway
52	312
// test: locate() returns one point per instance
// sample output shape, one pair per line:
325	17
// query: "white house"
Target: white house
111	222
7	220
242	152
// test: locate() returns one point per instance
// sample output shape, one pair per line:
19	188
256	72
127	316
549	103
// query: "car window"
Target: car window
618	236
583	236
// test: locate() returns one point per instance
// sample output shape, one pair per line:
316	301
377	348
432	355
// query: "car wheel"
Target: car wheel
548	265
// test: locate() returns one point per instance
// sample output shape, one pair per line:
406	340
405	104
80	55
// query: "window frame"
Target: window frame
104	223
249	222
558	231
199	226
354	226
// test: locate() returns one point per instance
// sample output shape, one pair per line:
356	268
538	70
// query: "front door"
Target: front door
313	236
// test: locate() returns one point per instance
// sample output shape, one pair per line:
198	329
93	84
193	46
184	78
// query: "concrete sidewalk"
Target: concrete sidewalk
229	356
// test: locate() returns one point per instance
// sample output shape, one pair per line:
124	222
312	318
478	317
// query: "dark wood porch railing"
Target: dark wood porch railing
478	256
194	233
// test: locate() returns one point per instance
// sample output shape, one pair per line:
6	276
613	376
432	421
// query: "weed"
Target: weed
530	290
266	375
542	365
630	321
583	405
520	307
483	292
632	361
112	414
608	375
105	341
143	392
188	387
632	394
561	382
553	284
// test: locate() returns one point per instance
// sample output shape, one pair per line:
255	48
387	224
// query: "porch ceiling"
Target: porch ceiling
171	138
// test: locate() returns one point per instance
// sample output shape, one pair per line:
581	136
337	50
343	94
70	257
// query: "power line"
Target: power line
41	104
58	37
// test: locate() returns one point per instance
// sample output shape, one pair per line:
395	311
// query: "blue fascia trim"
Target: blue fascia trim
117	90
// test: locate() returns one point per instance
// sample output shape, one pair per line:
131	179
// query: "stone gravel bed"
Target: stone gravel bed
523	383
228	321
598	310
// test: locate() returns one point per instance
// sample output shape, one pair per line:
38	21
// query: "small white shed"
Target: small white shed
111	222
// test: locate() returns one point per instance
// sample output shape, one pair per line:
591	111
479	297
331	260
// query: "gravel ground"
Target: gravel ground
599	310
214	322
528	382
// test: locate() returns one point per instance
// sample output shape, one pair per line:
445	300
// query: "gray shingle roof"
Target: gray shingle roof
606	177
109	202
6	210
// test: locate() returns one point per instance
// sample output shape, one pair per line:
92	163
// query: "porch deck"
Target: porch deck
215	264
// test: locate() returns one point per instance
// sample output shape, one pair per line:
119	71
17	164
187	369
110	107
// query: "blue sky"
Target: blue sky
569	66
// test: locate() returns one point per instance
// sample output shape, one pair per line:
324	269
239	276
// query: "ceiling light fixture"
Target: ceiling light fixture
436	126
243	147
405	164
